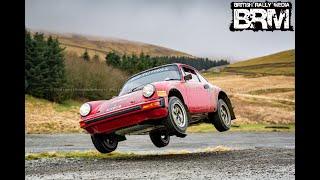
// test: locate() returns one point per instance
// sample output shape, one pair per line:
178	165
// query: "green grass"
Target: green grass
35	100
59	107
67	105
205	128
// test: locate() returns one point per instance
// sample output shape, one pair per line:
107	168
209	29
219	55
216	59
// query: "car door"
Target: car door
209	90
197	94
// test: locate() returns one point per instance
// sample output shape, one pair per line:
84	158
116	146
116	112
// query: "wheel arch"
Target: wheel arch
177	93
224	96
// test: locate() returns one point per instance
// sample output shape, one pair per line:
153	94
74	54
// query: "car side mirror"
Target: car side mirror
187	77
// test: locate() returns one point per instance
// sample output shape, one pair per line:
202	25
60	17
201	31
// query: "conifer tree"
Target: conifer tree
113	59
85	56
44	67
57	77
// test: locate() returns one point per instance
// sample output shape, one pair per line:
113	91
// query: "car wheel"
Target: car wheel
104	143
160	138
177	120
221	119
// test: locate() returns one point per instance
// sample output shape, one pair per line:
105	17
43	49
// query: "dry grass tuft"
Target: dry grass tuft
217	149
43	116
263	100
77	43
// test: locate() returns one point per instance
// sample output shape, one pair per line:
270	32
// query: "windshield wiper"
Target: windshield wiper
137	88
171	79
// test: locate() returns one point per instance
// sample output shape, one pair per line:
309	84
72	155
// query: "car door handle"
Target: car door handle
206	86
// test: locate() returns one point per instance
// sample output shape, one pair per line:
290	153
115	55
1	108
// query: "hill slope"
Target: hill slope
76	43
281	63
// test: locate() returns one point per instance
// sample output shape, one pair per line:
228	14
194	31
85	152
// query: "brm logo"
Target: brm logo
261	16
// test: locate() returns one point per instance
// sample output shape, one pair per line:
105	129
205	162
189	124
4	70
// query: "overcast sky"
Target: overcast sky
200	28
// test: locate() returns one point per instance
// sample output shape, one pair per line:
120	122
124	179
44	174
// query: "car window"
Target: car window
202	79
193	73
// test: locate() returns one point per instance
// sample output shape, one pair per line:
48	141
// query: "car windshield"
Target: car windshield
137	82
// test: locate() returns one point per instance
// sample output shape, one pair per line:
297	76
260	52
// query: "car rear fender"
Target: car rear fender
222	95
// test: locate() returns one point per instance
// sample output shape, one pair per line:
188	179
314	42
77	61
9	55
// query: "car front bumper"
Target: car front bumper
129	116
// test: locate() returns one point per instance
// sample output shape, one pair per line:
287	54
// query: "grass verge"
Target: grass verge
205	127
117	155
42	116
77	154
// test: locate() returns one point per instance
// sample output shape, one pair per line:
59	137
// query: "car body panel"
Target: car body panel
133	108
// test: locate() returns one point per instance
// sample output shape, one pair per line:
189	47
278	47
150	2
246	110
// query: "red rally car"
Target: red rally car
162	101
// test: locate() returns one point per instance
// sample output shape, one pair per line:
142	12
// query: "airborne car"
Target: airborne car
162	101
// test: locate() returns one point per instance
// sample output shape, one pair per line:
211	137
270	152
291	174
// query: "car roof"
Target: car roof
186	65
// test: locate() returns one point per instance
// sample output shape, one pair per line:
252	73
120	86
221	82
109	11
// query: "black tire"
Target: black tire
221	119
104	143
160	138
177	126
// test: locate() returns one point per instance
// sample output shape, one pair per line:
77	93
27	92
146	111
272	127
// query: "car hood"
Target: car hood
120	102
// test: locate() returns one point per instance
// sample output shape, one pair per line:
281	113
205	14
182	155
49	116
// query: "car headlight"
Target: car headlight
148	90
85	109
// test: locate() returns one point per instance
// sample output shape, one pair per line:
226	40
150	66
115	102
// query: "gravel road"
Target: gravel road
143	144
254	156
